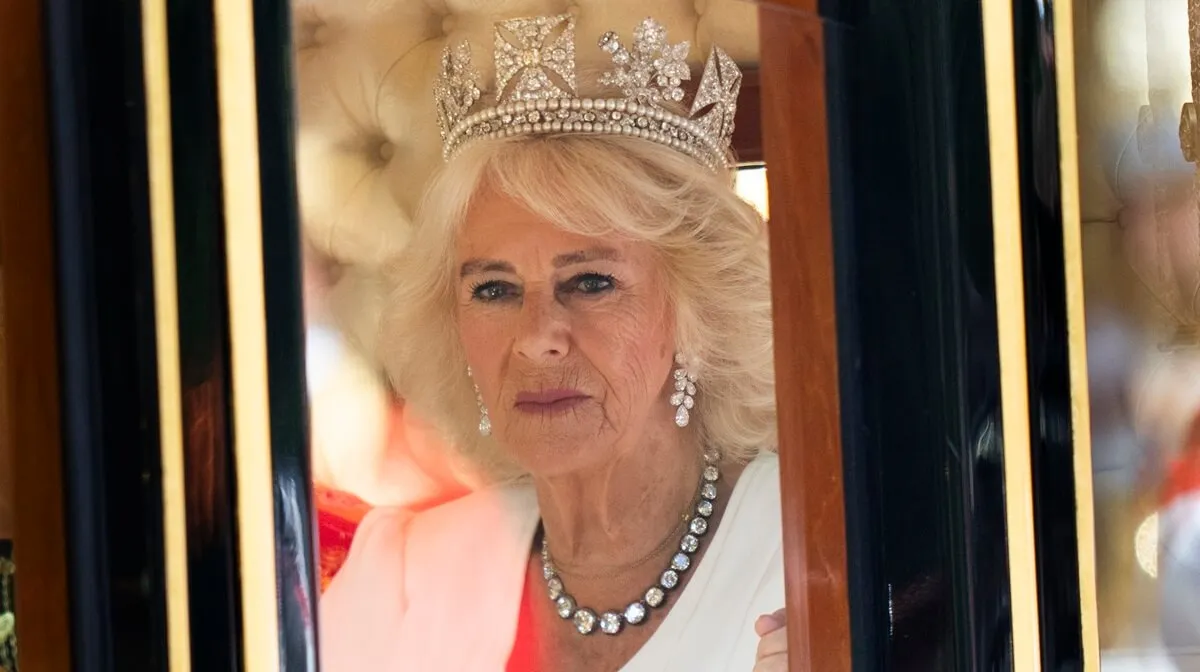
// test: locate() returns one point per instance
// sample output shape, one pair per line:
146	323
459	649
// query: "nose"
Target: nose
543	333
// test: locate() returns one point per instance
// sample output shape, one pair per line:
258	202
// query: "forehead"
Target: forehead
498	226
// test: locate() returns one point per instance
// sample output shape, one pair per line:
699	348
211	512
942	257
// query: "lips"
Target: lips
549	401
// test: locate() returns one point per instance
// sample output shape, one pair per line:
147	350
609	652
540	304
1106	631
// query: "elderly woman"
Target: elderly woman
585	310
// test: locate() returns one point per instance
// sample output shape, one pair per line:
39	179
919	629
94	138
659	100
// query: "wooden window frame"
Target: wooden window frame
31	350
795	148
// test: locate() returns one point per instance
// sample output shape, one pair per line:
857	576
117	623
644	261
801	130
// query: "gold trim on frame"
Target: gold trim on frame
166	318
1085	518
999	70
238	109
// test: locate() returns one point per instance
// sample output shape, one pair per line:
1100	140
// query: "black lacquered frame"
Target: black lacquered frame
918	335
943	557
128	496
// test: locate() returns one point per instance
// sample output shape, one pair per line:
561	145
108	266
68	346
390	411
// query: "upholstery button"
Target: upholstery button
321	34
449	23
306	34
386	151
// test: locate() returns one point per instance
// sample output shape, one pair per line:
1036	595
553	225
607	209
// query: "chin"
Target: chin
543	455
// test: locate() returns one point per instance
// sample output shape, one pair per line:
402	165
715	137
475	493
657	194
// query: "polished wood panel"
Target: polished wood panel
238	105
806	344
1085	522
31	378
214	599
1000	75
806	6
161	181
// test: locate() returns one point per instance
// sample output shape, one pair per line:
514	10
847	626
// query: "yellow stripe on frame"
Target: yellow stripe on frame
248	331
166	317
1010	304
1085	519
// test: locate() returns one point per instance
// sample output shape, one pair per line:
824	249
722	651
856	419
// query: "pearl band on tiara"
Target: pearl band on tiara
536	90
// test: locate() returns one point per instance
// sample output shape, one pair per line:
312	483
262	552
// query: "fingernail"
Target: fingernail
766	623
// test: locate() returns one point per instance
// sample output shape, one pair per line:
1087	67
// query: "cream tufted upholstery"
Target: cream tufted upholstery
368	137
1128	54
1134	74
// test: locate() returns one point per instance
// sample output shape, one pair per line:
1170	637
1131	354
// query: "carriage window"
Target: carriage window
752	186
1137	70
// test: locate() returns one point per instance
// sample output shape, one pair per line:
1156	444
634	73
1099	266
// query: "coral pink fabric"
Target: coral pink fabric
428	481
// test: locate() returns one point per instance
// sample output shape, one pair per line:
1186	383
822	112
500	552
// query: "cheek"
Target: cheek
480	336
632	346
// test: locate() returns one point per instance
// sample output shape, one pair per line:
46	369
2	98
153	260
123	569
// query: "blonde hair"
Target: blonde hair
712	244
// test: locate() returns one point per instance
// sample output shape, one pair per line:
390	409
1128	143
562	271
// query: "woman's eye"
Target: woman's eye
592	283
493	290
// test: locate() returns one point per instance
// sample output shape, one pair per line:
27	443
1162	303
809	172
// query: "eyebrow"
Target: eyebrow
476	266
584	256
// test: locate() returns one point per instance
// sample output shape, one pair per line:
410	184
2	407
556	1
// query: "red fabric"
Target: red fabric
524	654
338	516
1183	475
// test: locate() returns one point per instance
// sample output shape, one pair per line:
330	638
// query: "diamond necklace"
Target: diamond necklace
610	572
612	622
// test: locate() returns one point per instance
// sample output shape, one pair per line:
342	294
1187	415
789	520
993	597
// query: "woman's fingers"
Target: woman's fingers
773	643
770	622
766	624
776	663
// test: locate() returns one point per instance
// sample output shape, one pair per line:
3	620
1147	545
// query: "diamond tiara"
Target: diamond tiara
535	90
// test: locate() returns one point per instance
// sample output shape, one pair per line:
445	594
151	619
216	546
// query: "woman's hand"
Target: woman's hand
772	644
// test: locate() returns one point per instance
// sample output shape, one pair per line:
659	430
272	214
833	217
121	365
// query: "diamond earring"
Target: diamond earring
485	421
685	392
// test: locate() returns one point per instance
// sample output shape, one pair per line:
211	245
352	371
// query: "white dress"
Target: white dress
441	590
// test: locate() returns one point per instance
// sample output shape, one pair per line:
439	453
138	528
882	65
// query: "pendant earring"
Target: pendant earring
485	421
685	392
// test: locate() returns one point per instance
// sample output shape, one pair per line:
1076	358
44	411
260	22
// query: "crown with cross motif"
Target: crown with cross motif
535	90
